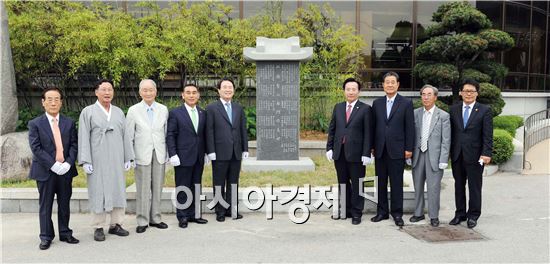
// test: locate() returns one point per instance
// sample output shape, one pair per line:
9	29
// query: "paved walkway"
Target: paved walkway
515	221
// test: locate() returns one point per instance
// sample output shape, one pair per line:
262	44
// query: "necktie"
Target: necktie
389	104
195	119
229	114
425	131
150	115
466	115
348	113
58	142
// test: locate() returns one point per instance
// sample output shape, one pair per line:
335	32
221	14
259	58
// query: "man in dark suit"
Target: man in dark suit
471	149
226	145
349	145
54	145
393	143
185	140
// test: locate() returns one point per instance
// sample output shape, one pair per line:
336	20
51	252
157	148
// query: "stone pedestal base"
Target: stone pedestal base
303	164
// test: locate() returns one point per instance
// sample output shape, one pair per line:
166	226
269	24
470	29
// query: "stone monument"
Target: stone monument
278	104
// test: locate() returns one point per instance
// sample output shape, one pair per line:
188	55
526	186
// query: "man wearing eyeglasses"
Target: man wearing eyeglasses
53	142
471	150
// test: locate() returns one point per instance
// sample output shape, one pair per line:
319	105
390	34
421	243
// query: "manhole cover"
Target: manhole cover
444	233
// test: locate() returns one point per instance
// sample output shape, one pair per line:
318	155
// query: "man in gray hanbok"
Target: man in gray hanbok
105	154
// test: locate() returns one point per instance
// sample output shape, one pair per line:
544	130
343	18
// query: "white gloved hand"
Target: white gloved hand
127	165
57	168
408	161
329	155
65	167
206	159
175	160
480	162
88	168
245	155
442	166
366	160
212	156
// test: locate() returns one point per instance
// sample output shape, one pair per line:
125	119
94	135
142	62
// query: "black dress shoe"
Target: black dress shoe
378	218
239	216
457	220
434	222
355	220
160	225
141	229
183	223
220	218
44	244
472	223
99	235
118	230
415	218
398	221
69	239
198	220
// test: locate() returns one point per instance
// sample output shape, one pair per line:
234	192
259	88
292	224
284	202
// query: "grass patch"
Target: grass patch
324	175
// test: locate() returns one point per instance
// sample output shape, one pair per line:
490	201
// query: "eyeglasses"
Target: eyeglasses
469	91
105	90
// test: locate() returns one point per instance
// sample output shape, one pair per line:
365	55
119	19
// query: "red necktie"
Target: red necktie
348	113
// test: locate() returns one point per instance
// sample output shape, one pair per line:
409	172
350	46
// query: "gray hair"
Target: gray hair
429	86
145	81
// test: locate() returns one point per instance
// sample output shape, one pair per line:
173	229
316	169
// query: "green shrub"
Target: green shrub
25	115
508	122
250	113
443	106
502	146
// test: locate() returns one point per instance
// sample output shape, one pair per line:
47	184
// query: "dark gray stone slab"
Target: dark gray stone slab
442	233
278	110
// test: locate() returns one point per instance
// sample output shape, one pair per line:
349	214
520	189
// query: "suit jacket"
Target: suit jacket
358	131
396	132
183	140
439	137
225	138
146	137
42	146
474	140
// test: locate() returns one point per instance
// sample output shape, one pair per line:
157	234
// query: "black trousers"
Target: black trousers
188	176
392	169
62	186
224	174
473	174
350	173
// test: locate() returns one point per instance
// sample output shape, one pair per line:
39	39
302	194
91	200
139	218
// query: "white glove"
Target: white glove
245	155
206	159
329	155
175	160
127	165
57	168
88	168
408	161
442	166
366	160
480	162
212	156
65	167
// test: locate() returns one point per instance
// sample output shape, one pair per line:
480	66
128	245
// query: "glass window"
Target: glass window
343	9
536	83
515	83
493	11
517	25
387	30
538	41
542	5
372	80
252	8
